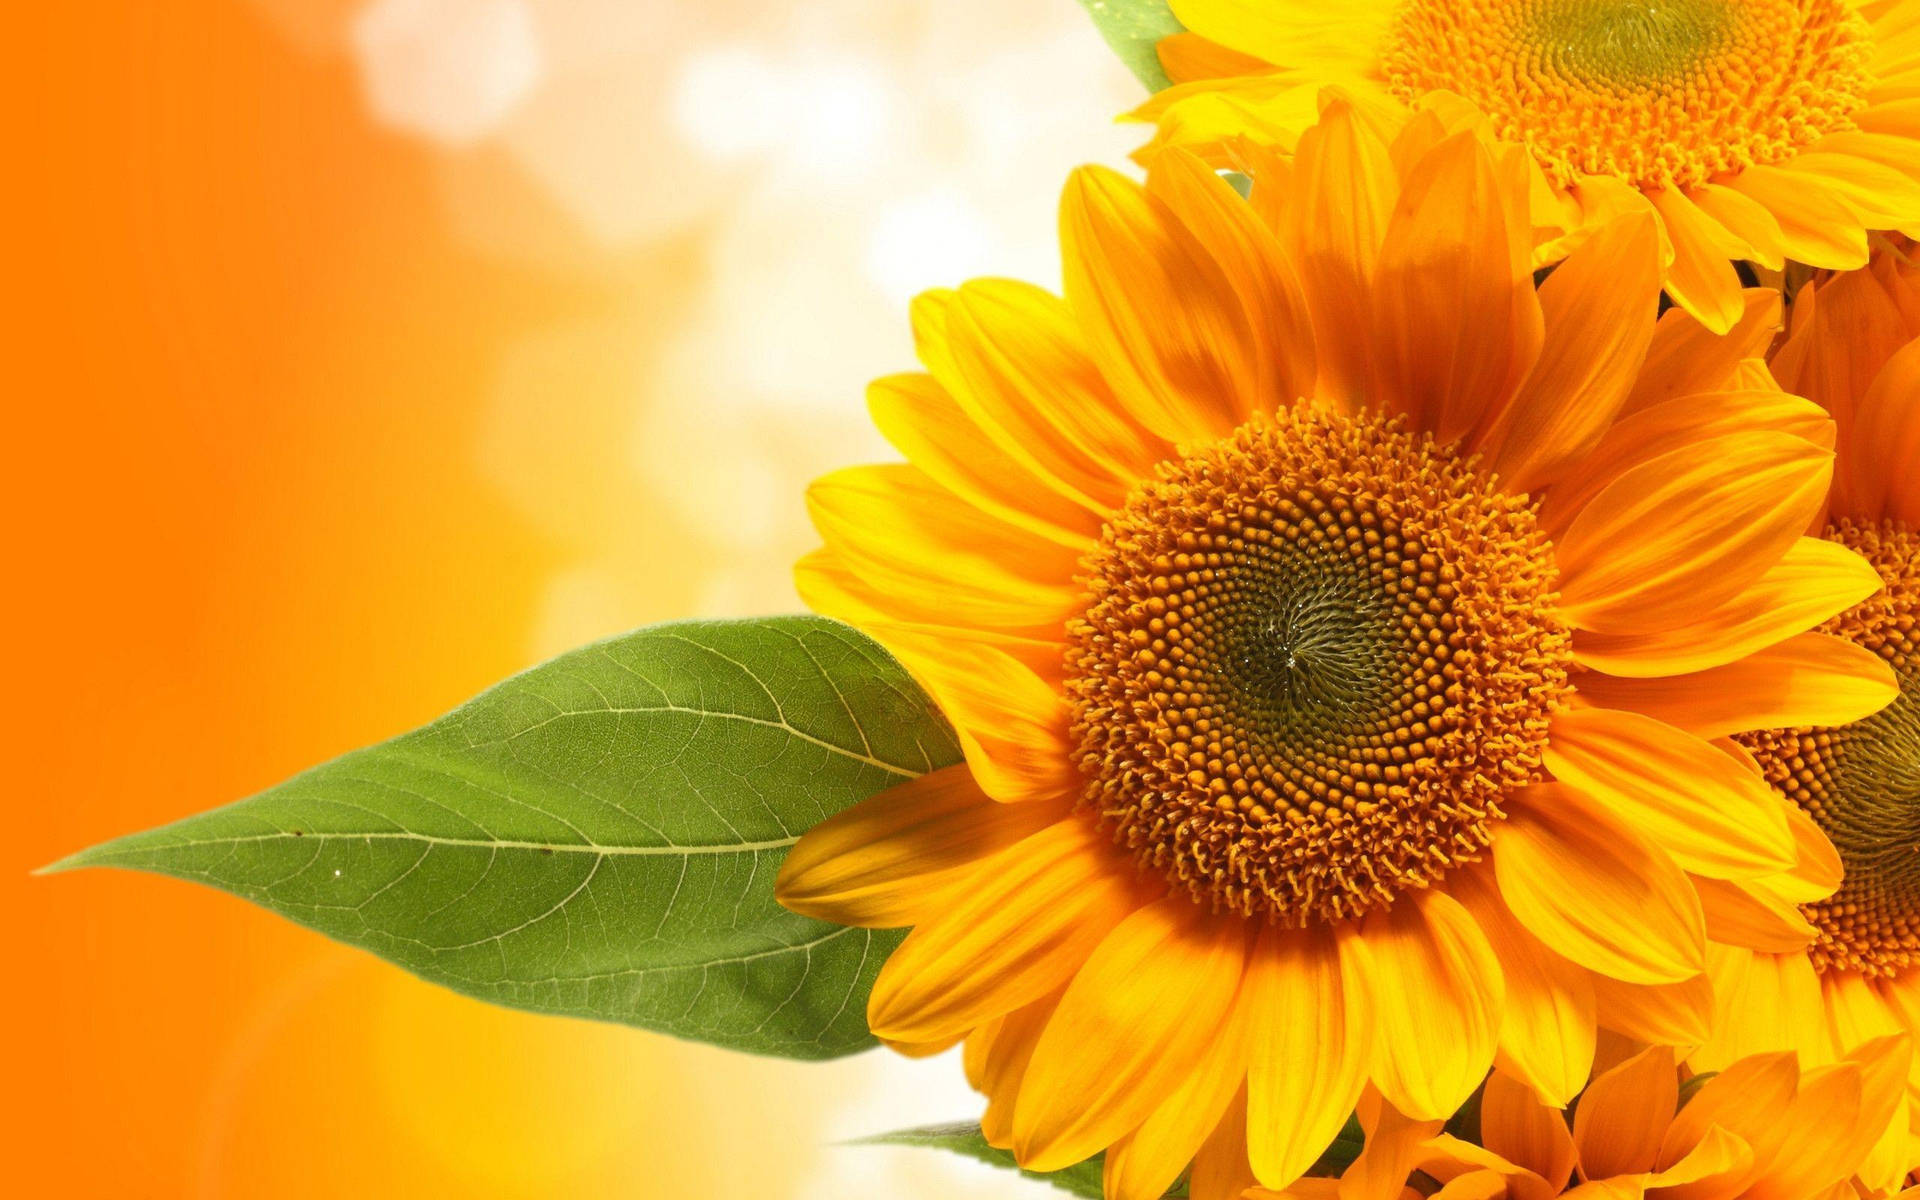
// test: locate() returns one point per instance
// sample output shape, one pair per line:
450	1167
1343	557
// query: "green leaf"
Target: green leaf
598	836
1081	1179
1132	28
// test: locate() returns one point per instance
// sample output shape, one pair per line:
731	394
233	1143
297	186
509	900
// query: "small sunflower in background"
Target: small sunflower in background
1334	625
1768	1127
1755	130
1853	346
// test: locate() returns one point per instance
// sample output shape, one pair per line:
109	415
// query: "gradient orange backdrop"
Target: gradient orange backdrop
318	426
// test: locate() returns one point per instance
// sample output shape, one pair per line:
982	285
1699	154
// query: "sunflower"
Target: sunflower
1852	347
1756	130
1334	626
1763	1129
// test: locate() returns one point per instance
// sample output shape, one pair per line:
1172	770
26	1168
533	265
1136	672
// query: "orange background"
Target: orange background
344	385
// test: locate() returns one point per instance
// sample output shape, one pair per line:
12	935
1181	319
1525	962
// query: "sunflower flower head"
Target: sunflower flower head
1759	130
1337	628
1851	346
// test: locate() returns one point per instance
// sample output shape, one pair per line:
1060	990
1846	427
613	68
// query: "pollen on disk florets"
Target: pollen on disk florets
1315	658
1861	782
1661	93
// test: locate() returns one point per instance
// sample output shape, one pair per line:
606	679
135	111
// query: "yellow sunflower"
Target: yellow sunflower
1852	347
1333	625
1763	1129
1759	130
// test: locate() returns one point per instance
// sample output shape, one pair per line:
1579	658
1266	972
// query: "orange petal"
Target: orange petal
1810	679
1687	358
1038	911
1221	1170
1028	378
1881	482
1517	1127
1249	254
1451	249
1161	316
927	425
1307	996
1134	1024
1433	965
1342	195
1004	1063
1596	892
1013	725
879	863
1672	1014
1815	580
1598	307
1711	815
1392	1148
1741	914
1624	1114
1666	426
1688	530
1748	1100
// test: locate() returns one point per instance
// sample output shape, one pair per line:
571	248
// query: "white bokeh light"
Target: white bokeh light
451	71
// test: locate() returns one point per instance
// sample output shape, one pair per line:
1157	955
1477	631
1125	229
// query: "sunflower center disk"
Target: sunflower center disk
1861	782
1661	93
1316	656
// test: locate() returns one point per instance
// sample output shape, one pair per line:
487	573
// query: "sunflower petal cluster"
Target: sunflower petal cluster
1765	1126
1751	130
1347	635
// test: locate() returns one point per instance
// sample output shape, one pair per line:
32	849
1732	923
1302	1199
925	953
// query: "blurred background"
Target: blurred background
366	351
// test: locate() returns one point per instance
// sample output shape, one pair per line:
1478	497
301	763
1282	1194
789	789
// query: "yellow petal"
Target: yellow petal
1433	966
879	863
1004	1064
1762	1002
1716	1169
1144	1164
1701	278
927	425
1026	375
1815	225
1133	1025
893	526
1596	892
1038	911
1547	1025
1712	816
1310	1022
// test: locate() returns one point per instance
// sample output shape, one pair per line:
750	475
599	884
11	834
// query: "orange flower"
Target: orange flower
1335	627
1852	347
1753	129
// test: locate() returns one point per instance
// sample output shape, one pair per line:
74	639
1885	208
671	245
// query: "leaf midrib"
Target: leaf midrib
468	843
